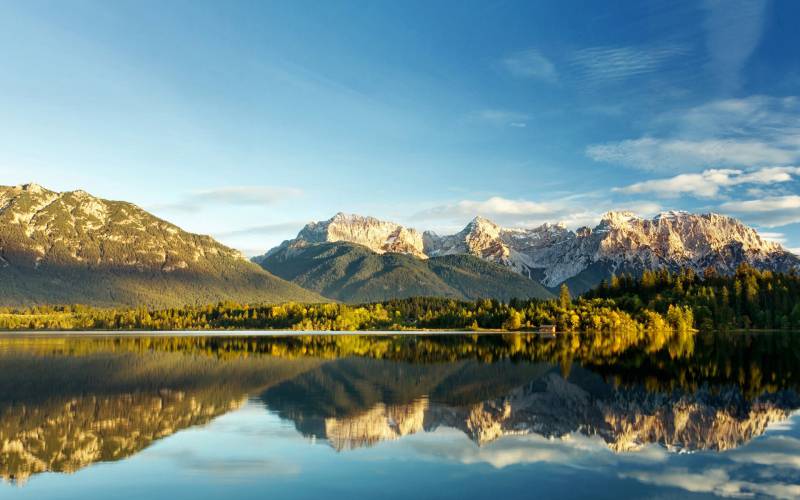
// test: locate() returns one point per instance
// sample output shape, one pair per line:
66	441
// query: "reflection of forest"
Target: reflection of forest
69	402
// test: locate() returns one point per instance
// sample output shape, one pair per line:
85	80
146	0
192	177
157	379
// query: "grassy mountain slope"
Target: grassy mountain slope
353	273
74	248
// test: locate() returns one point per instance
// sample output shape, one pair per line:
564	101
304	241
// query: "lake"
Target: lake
400	416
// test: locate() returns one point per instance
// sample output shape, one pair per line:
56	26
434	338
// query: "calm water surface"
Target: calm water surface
444	416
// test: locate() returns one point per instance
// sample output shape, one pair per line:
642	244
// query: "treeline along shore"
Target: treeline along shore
656	301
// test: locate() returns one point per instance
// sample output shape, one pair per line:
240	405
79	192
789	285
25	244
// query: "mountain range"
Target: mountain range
72	247
549	254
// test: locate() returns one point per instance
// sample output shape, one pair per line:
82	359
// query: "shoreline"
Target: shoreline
301	333
257	333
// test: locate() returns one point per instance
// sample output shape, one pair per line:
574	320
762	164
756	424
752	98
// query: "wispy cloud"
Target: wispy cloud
733	30
649	153
246	195
530	64
710	183
504	118
773	236
612	64
727	133
264	230
232	196
773	211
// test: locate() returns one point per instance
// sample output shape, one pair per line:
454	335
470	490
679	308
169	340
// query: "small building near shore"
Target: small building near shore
547	329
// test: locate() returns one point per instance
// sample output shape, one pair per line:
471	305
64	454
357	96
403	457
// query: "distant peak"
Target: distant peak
31	187
479	221
345	217
618	217
672	214
619	214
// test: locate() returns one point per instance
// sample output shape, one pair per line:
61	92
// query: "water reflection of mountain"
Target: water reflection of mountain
357	402
62	413
68	402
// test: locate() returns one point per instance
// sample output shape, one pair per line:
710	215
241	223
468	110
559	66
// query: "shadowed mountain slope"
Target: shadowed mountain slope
354	273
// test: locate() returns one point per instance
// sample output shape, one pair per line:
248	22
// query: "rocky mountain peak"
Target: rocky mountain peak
483	226
617	219
621	242
31	187
377	235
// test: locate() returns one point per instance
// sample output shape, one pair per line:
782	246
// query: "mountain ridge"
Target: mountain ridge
73	247
552	254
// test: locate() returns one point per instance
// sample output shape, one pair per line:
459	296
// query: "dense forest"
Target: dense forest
658	301
415	313
750	298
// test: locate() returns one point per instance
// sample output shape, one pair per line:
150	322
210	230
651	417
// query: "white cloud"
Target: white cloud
571	450
773	459
744	132
769	212
774	451
530	64
611	64
709	183
717	481
495	205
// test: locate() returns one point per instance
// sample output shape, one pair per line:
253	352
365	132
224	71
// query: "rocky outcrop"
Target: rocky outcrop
379	236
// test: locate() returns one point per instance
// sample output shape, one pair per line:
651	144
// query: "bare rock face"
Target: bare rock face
379	236
552	254
380	423
626	419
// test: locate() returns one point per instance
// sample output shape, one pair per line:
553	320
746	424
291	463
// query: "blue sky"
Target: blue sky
247	119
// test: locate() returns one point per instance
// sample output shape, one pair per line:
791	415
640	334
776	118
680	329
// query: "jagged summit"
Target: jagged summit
553	254
377	235
619	216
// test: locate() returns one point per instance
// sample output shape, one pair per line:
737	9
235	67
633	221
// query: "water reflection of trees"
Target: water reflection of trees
66	402
757	362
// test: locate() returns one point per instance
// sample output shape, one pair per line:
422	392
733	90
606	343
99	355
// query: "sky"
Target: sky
246	120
